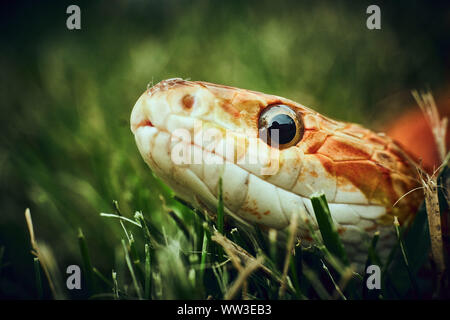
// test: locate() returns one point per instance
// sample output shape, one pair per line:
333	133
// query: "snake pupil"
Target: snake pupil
285	126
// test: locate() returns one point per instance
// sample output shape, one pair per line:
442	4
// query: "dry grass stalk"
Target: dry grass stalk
36	252
242	277
234	251
290	244
239	267
47	257
438	126
337	290
238	254
430	188
429	183
345	279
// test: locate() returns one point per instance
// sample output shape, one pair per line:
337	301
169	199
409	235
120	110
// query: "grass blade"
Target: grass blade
405	257
338	291
101	276
86	260
37	272
220	219
327	228
46	259
204	254
115	285
372	258
112	215
146	230
133	251
148	275
130	268
180	225
290	244
220	209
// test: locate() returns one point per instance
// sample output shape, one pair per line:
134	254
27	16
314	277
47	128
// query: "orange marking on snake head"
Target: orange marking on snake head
327	164
365	175
230	109
188	101
312	140
340	149
373	138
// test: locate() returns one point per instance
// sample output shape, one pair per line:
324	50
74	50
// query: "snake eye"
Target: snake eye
280	122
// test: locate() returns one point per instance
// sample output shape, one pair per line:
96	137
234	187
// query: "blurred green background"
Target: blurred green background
66	150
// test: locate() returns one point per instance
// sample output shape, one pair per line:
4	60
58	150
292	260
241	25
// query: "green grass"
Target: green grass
327	228
66	150
188	265
199	274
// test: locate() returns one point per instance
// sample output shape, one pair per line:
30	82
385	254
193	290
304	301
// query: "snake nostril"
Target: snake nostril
187	101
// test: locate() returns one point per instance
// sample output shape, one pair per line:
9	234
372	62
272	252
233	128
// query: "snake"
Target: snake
270	155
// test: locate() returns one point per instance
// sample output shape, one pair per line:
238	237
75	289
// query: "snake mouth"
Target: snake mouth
144	123
139	119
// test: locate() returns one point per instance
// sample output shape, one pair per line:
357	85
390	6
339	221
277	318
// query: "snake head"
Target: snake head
272	154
